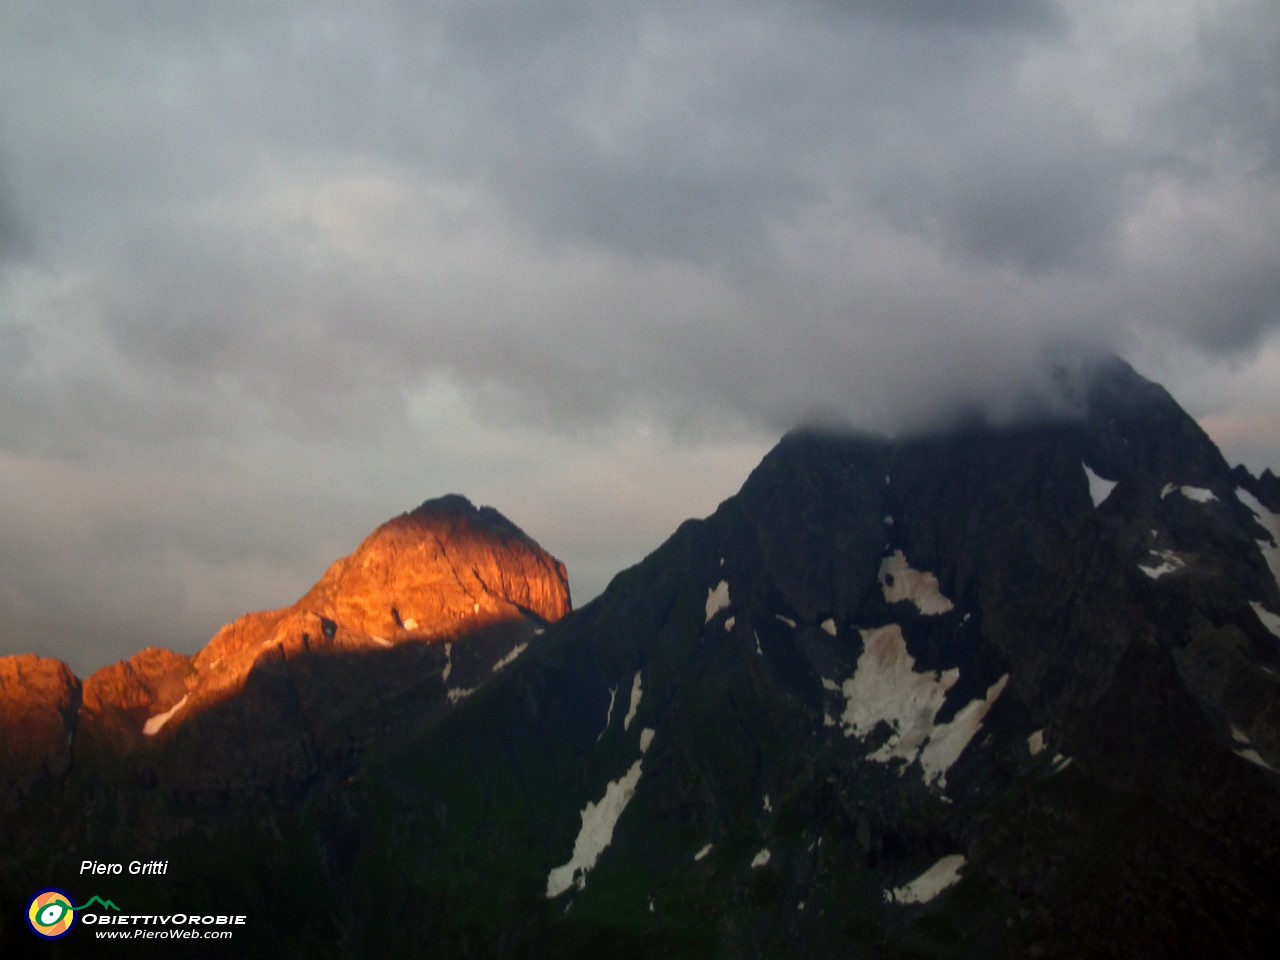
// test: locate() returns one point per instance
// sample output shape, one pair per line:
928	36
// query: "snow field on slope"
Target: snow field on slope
900	581
717	599
943	874
1099	489
886	687
1169	563
636	693
1270	522
598	823
155	724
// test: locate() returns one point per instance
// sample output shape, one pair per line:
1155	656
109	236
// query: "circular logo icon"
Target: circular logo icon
50	914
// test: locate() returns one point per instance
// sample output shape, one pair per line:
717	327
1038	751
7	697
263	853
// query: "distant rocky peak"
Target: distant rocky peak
447	575
443	562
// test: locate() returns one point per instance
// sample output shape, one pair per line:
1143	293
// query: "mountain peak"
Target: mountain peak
446	571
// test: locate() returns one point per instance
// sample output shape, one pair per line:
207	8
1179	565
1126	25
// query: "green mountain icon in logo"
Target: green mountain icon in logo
106	905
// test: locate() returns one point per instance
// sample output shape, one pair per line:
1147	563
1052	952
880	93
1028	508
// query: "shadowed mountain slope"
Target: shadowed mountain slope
991	692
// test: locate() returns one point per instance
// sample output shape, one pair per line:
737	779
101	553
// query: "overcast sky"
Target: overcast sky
272	273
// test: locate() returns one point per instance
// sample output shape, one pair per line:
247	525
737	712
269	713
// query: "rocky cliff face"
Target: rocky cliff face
39	704
408	625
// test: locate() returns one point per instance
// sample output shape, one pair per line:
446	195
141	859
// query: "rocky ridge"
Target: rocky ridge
441	574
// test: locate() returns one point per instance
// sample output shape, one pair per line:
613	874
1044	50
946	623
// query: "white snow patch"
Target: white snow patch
900	582
1035	743
1253	756
885	687
646	738
768	807
1167	489
1198	494
155	724
448	662
608	714
510	657
787	620
595	835
886	479
760	859
943	874
728	624
888	520
1099	489
829	626
948	741
759	652
1271	523
636	693
1061	763
1170	562
701	854
800	906
460	693
1246	749
1269	619
651	910
830	685
409	623
717	599
828	720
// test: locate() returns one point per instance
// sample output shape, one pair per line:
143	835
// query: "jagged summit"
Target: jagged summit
443	572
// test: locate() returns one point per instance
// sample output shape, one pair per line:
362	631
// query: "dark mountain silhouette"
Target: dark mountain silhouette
990	692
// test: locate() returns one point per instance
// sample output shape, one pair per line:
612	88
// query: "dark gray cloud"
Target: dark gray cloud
981	16
268	270
1234	92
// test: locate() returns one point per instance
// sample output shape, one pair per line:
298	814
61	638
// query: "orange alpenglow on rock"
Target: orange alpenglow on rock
445	573
39	702
115	698
437	573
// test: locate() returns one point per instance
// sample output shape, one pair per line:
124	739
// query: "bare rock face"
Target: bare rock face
437	573
427	572
119	699
430	606
39	701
